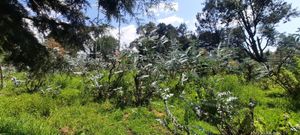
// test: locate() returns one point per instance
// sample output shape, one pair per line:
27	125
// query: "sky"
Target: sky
183	11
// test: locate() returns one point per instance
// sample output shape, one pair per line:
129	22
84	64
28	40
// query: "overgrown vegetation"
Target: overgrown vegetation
218	81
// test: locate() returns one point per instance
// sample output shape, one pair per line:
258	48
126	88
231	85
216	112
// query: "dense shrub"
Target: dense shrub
289	78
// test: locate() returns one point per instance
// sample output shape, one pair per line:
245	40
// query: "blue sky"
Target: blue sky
184	11
294	24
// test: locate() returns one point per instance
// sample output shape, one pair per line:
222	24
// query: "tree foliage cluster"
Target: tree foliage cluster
65	21
208	74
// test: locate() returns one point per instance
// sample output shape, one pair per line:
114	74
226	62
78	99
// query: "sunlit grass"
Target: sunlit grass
69	112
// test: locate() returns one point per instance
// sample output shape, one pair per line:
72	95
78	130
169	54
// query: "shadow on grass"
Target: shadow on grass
295	104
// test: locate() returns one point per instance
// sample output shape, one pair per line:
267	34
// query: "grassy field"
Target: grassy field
65	109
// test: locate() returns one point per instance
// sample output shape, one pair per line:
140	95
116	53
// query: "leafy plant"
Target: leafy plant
289	78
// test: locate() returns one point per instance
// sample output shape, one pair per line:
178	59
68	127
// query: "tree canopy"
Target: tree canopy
64	20
254	22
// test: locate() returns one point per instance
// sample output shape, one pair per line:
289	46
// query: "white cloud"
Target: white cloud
128	34
174	20
164	8
191	24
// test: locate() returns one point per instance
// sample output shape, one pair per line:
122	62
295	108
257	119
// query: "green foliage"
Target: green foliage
222	83
289	78
25	114
171	85
222	101
66	107
25	103
123	86
24	126
106	45
22	47
107	106
36	114
64	81
252	35
117	85
282	122
69	96
204	128
150	92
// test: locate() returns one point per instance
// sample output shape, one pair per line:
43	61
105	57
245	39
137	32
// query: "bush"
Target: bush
222	83
289	78
65	81
123	83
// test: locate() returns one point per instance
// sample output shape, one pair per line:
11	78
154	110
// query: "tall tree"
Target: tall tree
183	36
63	20
159	38
106	45
256	19
208	27
162	38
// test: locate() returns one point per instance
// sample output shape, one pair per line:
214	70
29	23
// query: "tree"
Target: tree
106	45
162	38
184	37
147	29
153	39
286	62
209	32
63	20
256	19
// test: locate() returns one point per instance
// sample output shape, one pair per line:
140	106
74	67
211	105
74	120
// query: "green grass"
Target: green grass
66	109
35	114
